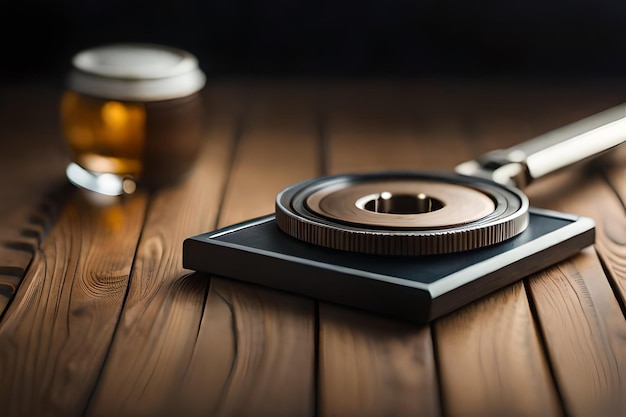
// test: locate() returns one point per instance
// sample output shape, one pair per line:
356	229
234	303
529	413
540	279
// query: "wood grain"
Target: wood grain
371	366
489	353
255	349
584	332
158	328
254	355
372	128
613	249
55	334
491	359
278	147
578	311
552	110
31	157
597	192
106	322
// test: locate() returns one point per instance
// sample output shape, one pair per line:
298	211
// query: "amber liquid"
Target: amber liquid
154	142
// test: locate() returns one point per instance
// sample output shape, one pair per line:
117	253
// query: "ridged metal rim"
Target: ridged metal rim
508	220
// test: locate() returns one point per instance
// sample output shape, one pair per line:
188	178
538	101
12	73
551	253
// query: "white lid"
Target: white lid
142	72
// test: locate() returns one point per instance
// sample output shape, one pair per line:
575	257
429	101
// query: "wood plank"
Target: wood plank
254	355
255	349
491	360
158	329
211	348
476	378
393	126
375	132
22	233
584	332
55	334
15	258
373	365
579	314
523	390
613	249
31	157
279	147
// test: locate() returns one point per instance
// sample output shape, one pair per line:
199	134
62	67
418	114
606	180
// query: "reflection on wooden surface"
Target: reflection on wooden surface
100	318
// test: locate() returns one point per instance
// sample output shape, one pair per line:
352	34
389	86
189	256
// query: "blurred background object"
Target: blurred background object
279	38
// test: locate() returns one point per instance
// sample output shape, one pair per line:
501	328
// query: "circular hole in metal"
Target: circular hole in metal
389	203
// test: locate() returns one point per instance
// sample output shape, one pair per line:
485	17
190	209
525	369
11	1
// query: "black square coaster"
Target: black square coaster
414	288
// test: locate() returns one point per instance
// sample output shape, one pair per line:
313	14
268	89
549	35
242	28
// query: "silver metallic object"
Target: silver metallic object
462	235
343	212
480	205
521	164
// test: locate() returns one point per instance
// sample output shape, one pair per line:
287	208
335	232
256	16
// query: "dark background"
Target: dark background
280	38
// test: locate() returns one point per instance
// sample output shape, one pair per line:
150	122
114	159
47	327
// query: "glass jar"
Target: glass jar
131	115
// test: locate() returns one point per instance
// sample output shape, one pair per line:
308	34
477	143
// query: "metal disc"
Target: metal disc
398	202
401	213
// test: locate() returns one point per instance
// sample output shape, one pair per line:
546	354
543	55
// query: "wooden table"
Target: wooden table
99	318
